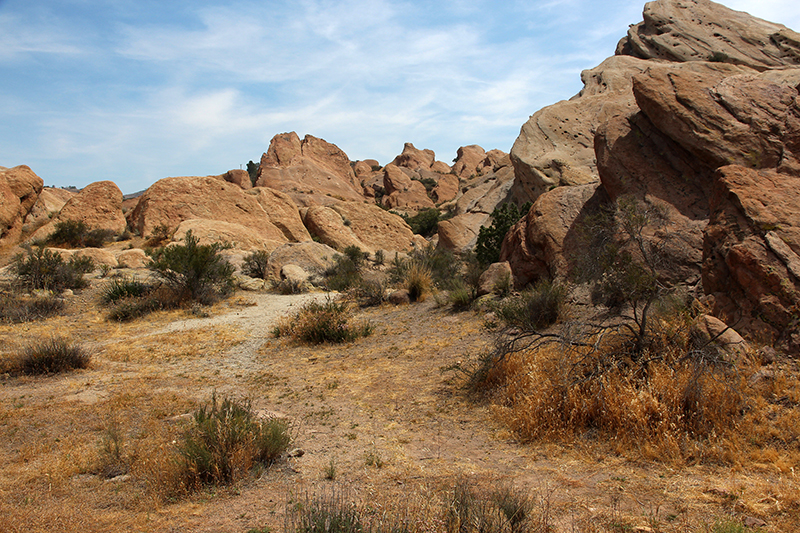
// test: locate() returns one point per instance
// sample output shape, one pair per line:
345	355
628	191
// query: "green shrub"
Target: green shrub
226	440
193	271
317	323
425	222
121	288
43	269
490	239
461	297
51	356
369	292
17	309
161	233
256	264
346	271
443	265
380	257
76	234
535	308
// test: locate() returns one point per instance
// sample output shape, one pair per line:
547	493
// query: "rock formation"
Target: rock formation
311	171
19	189
697	114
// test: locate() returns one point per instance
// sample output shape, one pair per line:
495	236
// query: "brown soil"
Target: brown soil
380	412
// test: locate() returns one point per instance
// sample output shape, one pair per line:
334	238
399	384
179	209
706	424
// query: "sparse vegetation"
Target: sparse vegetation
347	270
256	264
318	323
49	356
123	288
425	222
16	308
76	234
43	269
226	440
535	308
193	271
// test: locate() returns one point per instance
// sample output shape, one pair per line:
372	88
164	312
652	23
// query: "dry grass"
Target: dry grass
64	439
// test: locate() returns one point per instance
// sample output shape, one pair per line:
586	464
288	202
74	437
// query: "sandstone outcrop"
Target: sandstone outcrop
19	189
170	201
217	231
282	212
751	265
48	204
402	192
310	256
661	120
544	242
238	177
311	171
98	205
701	30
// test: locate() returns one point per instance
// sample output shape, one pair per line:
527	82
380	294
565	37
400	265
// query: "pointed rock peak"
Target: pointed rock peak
414	159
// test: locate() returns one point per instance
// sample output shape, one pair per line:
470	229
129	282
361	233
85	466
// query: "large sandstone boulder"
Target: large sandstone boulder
701	30
48	204
310	256
170	201
460	233
751	263
403	192
414	159
545	241
310	171
470	161
331	228
19	189
282	212
99	205
238	177
376	228
217	231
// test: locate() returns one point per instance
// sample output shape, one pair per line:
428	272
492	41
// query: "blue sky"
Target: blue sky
134	91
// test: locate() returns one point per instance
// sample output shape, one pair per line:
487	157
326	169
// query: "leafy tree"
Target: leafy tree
490	239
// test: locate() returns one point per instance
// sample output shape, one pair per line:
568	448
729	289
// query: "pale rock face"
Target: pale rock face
133	258
170	201
493	277
376	228
751	252
403	192
217	231
282	212
48	204
471	160
330	228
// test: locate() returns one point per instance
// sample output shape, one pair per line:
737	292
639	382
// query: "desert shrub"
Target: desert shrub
256	264
153	299
317	323
369	292
43	269
535	308
380	257
51	356
443	265
193	271
15	309
425	222
160	234
76	234
226	440
346	271
490	239
461	297
417	281
291	286
122	288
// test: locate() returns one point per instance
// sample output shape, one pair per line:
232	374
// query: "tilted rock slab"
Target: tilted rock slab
19	189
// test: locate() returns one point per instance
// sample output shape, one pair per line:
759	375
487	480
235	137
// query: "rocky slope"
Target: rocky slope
698	114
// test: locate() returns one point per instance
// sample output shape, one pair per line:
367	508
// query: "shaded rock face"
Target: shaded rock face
48	204
713	144
311	171
700	30
751	249
546	240
19	190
